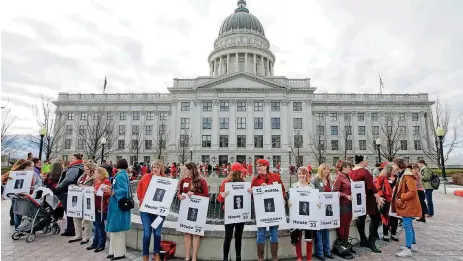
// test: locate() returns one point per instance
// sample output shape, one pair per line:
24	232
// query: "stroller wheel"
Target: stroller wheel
47	229
56	230
30	238
16	236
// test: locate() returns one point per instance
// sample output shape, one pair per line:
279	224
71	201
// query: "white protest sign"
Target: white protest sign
304	211
238	202
329	210
269	205
89	203
359	206
192	215
75	202
100	191
159	196
20	182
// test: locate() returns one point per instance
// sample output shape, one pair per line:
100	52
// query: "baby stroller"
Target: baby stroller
37	211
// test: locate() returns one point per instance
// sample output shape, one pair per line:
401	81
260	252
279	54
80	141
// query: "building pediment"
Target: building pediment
241	81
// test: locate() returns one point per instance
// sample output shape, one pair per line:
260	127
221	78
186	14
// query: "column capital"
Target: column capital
267	102
284	103
198	102
215	102
232	102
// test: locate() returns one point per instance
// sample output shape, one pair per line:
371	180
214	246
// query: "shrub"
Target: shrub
457	179
448	172
5	169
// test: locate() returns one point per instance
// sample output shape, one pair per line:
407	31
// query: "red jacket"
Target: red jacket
362	174
202	191
222	189
269	179
342	185
144	170
384	188
143	185
96	185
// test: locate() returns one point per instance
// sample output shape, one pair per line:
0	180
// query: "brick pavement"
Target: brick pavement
438	240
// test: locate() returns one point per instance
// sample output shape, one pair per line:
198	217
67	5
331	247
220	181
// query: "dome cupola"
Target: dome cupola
241	19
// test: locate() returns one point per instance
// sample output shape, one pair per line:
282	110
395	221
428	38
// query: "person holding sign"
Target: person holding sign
385	182
322	237
264	178
236	175
192	184
157	169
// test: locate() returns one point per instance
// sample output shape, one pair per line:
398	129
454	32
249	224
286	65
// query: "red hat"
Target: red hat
384	164
237	167
309	168
263	162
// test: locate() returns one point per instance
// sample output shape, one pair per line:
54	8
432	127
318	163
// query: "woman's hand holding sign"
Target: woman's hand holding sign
190	193
225	194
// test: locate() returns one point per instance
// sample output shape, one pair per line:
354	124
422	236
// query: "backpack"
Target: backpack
81	171
434	180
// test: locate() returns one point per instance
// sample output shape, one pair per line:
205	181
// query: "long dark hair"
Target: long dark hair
56	170
195	177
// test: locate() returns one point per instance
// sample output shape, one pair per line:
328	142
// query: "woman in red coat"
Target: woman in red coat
101	208
384	183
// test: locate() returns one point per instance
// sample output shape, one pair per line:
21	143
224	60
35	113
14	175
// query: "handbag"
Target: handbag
126	204
399	204
168	249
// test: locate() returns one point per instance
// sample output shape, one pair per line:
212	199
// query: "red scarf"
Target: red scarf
76	162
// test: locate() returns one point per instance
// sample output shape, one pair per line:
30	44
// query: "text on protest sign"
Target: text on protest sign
269	205
359	207
20	182
89	203
159	196
329	210
192	215
75	202
304	211
238	202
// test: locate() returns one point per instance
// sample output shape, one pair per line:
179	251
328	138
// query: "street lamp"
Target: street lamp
440	132
103	142
289	165
378	146
191	153
42	133
232	159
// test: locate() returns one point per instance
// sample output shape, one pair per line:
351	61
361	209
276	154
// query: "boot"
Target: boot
146	258
371	245
260	251
351	248
309	250
157	257
274	251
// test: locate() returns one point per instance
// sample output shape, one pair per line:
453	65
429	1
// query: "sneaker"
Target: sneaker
395	238
404	253
386	238
414	248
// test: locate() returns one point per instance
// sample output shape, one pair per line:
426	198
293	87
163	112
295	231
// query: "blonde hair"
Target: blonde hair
160	164
91	166
321	168
103	172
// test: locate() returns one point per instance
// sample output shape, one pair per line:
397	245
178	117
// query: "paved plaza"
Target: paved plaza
438	240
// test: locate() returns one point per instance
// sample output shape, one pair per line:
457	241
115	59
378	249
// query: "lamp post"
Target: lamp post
440	132
103	142
232	159
289	165
42	133
191	153
378	147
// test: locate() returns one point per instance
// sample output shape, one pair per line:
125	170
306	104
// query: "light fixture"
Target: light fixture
192	148
440	132
378	141
103	140
213	159
289	149
42	131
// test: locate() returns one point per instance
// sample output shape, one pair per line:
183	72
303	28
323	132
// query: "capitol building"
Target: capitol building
242	111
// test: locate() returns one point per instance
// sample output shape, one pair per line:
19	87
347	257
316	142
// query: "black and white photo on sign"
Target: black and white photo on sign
330	210
88	204
237	202
269	205
303	210
76	201
192	215
159	196
18	182
89	199
359	207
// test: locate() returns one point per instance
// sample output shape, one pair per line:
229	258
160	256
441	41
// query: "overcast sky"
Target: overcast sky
69	46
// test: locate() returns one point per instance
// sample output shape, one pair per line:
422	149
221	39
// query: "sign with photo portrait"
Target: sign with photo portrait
192	215
269	205
89	203
304	211
159	196
329	210
75	202
238	202
19	182
359	206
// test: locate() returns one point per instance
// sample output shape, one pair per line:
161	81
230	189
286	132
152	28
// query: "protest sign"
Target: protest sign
192	215
89	203
329	210
269	205
304	211
359	206
159	196
238	202
19	182
75	202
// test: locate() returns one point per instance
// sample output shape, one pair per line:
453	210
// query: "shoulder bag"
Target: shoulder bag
126	204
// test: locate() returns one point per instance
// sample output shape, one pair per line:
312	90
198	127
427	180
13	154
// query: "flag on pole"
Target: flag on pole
381	85
105	83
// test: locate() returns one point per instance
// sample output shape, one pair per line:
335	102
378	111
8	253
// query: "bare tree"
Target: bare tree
10	142
439	116
318	145
137	141
346	134
296	145
183	144
392	133
160	142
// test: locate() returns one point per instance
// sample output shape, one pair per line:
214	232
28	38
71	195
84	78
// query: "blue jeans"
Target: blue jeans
429	201
16	218
322	242
262	231
147	219
99	240
407	223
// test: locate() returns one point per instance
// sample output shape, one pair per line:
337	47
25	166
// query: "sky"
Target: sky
69	46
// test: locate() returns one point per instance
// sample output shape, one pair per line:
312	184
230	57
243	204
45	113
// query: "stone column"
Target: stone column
220	66
196	124
285	125
267	126
254	65
250	125
237	63
215	125
173	123
271	70
231	125
268	67
211	65
262	65
245	62
228	64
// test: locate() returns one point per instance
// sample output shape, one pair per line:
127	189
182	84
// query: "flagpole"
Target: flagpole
381	86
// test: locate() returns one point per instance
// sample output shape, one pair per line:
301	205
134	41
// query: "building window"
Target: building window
361	130
415	116
135	129
121	144
184	141
347	117
223	141
298	141
241	123
335	160
184	123
297	123
258	123
361	116
121	129
163	116
207	123
403	130
419	158
206	141
82	130
416	130
375	130
258	141
162	129
374	116
320	116
333	116
122	116
241	141
403	145
407	160
83	116
148	144
276	160
133	160
149	129
417	144
205	158
95	116
223	123
402	117
258	105
241	106
348	130
334	145
362	144
67	144
136	116
276	141
297	106
320	130
150	116
185	106
275	106
146	159
207	105
70	116
68	129
275	123
349	145
224	106
334	130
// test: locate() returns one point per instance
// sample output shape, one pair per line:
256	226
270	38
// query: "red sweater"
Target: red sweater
222	189
96	185
342	185
143	185
202	191
268	179
384	188
362	174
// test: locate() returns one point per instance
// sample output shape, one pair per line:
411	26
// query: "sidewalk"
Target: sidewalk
438	240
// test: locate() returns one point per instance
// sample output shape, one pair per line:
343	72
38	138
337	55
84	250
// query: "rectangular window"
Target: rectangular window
403	145
95	116
334	145
349	145
417	144
335	160
374	116
297	106
258	105
297	123
148	144
82	130
241	106
162	129
334	130
241	123
333	116
320	130
184	141
223	123
70	116
185	106
223	141
241	141
375	130
207	123
207	105
361	116
135	129
275	123
134	144
150	116
184	123
258	123
361	130
416	130
83	116
68	129
146	159
415	116
67	144
149	129
298	141
136	116
205	158
403	130
122	116
109	116
275	106
407	160
362	144
320	116
121	144
402	117
121	129
224	106
347	117
163	115
206	141
276	160
276	141
258	141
